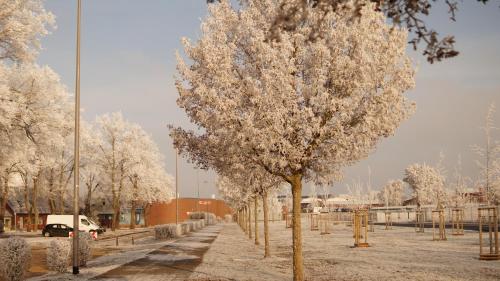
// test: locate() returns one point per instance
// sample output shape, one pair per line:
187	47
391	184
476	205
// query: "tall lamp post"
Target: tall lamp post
176	188
76	161
198	186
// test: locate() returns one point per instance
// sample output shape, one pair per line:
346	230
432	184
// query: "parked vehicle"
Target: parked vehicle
86	224
56	230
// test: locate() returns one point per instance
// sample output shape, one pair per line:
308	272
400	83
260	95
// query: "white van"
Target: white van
85	224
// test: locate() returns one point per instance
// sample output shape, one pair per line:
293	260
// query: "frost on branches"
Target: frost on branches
489	162
427	184
22	24
131	164
301	110
392	193
15	258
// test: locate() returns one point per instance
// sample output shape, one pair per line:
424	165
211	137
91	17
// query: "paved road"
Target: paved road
175	261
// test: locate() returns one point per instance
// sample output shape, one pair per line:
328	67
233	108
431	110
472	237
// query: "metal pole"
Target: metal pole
176	189
77	146
198	184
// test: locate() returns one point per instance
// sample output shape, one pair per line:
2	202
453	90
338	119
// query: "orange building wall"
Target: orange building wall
163	213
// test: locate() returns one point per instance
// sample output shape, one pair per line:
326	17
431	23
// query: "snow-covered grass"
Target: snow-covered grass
398	254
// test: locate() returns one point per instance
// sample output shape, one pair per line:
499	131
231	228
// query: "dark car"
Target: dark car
60	230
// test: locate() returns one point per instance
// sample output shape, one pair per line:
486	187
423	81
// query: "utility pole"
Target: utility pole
198	185
76	181
176	188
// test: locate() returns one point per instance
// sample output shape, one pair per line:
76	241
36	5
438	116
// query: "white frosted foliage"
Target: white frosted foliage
15	258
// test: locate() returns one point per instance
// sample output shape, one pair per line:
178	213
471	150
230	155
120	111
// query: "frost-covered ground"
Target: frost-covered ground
148	259
397	254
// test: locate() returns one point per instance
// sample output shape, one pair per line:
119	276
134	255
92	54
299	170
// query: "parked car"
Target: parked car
56	229
85	224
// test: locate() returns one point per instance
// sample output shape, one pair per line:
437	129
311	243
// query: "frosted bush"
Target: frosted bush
84	242
167	231
15	258
185	228
195	225
196	215
58	255
211	219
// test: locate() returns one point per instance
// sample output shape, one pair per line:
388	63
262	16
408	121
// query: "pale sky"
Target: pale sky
128	64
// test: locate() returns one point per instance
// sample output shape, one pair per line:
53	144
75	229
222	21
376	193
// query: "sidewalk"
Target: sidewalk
175	261
169	260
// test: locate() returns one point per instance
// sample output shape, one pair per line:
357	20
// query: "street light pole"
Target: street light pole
76	161
176	189
198	185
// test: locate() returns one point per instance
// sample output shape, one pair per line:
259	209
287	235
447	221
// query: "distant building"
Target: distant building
20	219
162	213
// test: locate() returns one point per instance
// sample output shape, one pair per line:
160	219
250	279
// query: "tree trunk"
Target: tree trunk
88	200
267	250
118	197
244	219
146	215
132	214
27	204
134	204
241	220
298	266
3	201
115	213
256	226
249	208
52	201
60	190
35	199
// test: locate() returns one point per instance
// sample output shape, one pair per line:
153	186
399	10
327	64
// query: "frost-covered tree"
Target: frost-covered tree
256	184
301	110
39	105
115	157
22	24
131	163
392	193
490	159
458	185
148	180
426	183
92	172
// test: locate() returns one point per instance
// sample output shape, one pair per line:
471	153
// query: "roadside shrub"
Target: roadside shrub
228	218
196	215
185	228
15	258
211	219
58	255
195	225
167	231
84	243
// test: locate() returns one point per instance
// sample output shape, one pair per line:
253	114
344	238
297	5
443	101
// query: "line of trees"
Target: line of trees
120	163
300	110
429	184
